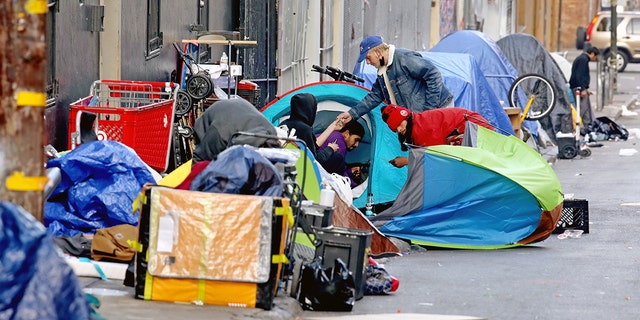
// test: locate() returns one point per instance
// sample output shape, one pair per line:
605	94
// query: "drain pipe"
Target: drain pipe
469	16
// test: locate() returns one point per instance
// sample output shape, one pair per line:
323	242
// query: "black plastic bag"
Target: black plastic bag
603	128
330	289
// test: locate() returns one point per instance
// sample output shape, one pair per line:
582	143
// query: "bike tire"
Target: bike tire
536	86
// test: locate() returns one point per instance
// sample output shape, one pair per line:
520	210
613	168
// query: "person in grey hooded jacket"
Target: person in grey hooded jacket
217	125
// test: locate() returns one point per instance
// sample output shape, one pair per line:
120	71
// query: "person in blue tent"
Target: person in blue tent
404	78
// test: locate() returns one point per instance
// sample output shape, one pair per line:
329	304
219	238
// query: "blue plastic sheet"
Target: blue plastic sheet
100	181
35	281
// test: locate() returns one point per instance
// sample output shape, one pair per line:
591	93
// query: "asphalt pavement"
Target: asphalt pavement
595	276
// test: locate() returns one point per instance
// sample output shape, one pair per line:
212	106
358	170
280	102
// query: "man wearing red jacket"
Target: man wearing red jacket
430	127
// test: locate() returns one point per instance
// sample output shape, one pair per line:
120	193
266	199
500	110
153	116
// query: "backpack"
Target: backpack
111	244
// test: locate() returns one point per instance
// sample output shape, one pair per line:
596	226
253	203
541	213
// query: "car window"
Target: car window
605	24
633	27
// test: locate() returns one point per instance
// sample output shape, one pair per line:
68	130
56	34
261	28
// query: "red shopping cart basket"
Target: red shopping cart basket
138	114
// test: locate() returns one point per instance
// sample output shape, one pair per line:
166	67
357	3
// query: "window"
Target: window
154	36
605	24
634	26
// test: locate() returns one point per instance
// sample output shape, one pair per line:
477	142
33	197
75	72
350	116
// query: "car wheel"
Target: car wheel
581	37
621	60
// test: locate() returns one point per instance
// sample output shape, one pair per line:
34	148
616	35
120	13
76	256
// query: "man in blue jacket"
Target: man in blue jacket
580	79
404	78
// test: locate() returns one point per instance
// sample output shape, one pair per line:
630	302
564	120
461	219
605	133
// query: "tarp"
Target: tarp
240	170
100	181
495	66
565	66
498	194
528	55
36	282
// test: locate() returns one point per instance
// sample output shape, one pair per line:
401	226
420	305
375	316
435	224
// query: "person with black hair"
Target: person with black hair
579	81
347	137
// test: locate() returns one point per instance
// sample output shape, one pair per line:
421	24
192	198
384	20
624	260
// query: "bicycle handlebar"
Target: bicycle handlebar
337	74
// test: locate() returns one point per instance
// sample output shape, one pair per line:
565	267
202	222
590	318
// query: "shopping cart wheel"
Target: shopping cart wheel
199	86
183	103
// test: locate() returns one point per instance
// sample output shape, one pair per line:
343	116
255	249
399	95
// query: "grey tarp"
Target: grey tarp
527	55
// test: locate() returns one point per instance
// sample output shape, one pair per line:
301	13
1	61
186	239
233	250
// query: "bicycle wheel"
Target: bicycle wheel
536	89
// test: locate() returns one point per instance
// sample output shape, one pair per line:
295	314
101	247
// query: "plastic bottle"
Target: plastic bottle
327	196
224	59
369	206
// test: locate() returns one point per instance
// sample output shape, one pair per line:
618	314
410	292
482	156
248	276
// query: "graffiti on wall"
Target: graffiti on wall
447	17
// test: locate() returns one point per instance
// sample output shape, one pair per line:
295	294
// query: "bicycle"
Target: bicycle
540	96
337	74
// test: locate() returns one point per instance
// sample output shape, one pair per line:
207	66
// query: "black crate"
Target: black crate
253	96
575	215
350	245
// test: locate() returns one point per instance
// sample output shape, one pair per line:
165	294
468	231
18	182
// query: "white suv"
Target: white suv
598	34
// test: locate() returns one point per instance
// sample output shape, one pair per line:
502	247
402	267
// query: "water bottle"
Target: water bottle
224	59
369	206
327	195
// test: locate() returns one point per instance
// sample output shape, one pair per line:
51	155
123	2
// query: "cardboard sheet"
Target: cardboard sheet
209	236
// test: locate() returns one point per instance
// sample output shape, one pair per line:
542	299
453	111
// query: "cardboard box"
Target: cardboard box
210	248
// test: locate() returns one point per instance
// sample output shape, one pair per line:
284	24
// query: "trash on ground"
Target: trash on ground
571	233
627	152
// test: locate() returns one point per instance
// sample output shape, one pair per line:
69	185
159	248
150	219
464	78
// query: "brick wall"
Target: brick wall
574	14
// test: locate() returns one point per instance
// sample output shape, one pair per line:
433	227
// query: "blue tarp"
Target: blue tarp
35	281
240	170
100	181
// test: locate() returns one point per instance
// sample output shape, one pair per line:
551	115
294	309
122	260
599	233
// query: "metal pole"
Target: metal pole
613	62
468	16
22	102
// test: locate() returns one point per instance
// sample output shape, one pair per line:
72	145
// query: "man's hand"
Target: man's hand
344	117
333	145
399	162
585	93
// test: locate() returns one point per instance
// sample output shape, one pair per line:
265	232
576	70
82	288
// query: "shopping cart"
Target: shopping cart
137	113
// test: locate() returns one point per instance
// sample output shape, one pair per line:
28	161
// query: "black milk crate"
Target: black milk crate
350	245
575	215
